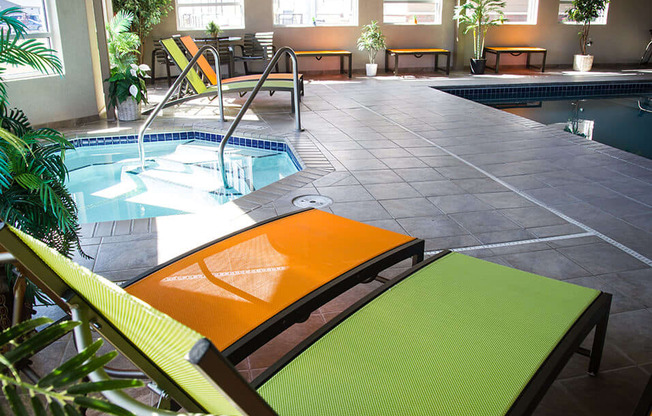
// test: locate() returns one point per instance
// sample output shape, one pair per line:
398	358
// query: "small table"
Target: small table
515	51
320	54
418	53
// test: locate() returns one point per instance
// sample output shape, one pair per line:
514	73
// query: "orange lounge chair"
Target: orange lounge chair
243	289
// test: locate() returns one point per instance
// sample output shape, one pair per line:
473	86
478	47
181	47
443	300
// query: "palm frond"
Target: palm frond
62	388
13	24
30	53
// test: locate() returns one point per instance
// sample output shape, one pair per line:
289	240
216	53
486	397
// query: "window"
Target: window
521	12
39	18
566	4
316	12
196	14
400	12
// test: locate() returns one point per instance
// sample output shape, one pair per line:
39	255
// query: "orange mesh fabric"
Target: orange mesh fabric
228	289
202	61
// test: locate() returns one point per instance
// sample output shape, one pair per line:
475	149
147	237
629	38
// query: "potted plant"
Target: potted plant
147	14
584	12
479	16
127	89
213	30
371	40
33	195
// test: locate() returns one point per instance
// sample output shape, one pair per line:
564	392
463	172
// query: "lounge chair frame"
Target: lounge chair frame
74	304
596	315
300	310
217	369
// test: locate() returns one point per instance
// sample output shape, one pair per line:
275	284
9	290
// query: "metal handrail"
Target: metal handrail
177	83
259	85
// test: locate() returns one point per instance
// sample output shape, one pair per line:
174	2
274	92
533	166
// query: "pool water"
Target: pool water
181	178
617	122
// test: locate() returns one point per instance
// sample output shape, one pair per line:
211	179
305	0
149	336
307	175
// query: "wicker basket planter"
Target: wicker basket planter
128	110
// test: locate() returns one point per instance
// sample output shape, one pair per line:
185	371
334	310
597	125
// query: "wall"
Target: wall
53	98
621	41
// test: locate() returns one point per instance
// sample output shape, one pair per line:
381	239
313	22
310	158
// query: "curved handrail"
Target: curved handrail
180	78
259	85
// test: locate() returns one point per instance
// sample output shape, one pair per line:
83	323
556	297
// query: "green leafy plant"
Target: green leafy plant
372	40
127	80
33	196
62	391
147	14
213	29
479	16
584	12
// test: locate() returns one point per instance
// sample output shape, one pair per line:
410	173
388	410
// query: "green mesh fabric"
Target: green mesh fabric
181	61
459	337
164	340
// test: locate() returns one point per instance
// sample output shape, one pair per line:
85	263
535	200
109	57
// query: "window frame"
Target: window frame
204	3
532	14
439	5
600	21
355	19
52	34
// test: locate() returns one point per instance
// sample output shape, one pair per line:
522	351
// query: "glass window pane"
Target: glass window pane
410	13
33	15
521	12
564	5
197	14
315	12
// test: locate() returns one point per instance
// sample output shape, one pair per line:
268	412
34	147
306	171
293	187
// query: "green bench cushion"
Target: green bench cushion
461	336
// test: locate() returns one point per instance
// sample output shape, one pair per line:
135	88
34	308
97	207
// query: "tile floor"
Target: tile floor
409	158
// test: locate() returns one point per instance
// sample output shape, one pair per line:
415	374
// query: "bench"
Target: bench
515	51
320	54
418	53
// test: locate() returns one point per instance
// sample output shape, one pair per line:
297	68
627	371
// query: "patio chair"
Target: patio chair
241	85
257	47
453	335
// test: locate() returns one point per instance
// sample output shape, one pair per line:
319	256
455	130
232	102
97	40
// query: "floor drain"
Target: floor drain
312	201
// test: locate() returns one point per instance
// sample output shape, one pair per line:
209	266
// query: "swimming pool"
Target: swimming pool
607	112
617	122
182	177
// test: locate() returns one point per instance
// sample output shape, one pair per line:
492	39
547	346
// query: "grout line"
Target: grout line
565	217
515	243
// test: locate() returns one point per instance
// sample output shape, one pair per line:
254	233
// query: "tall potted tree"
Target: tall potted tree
147	14
371	40
127	89
584	12
479	16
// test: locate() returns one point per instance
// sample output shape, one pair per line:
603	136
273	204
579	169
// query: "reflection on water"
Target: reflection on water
624	123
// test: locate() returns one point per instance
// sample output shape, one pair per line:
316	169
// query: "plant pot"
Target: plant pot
582	63
372	69
478	66
128	110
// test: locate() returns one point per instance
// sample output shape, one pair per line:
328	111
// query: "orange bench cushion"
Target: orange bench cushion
515	49
413	51
332	52
231	287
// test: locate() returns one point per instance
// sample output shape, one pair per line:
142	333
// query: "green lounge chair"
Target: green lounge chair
241	84
453	336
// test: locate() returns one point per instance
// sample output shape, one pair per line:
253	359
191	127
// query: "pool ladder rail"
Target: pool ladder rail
177	83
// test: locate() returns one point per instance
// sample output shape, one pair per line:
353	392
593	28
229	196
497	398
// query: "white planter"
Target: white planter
128	110
372	69
582	63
